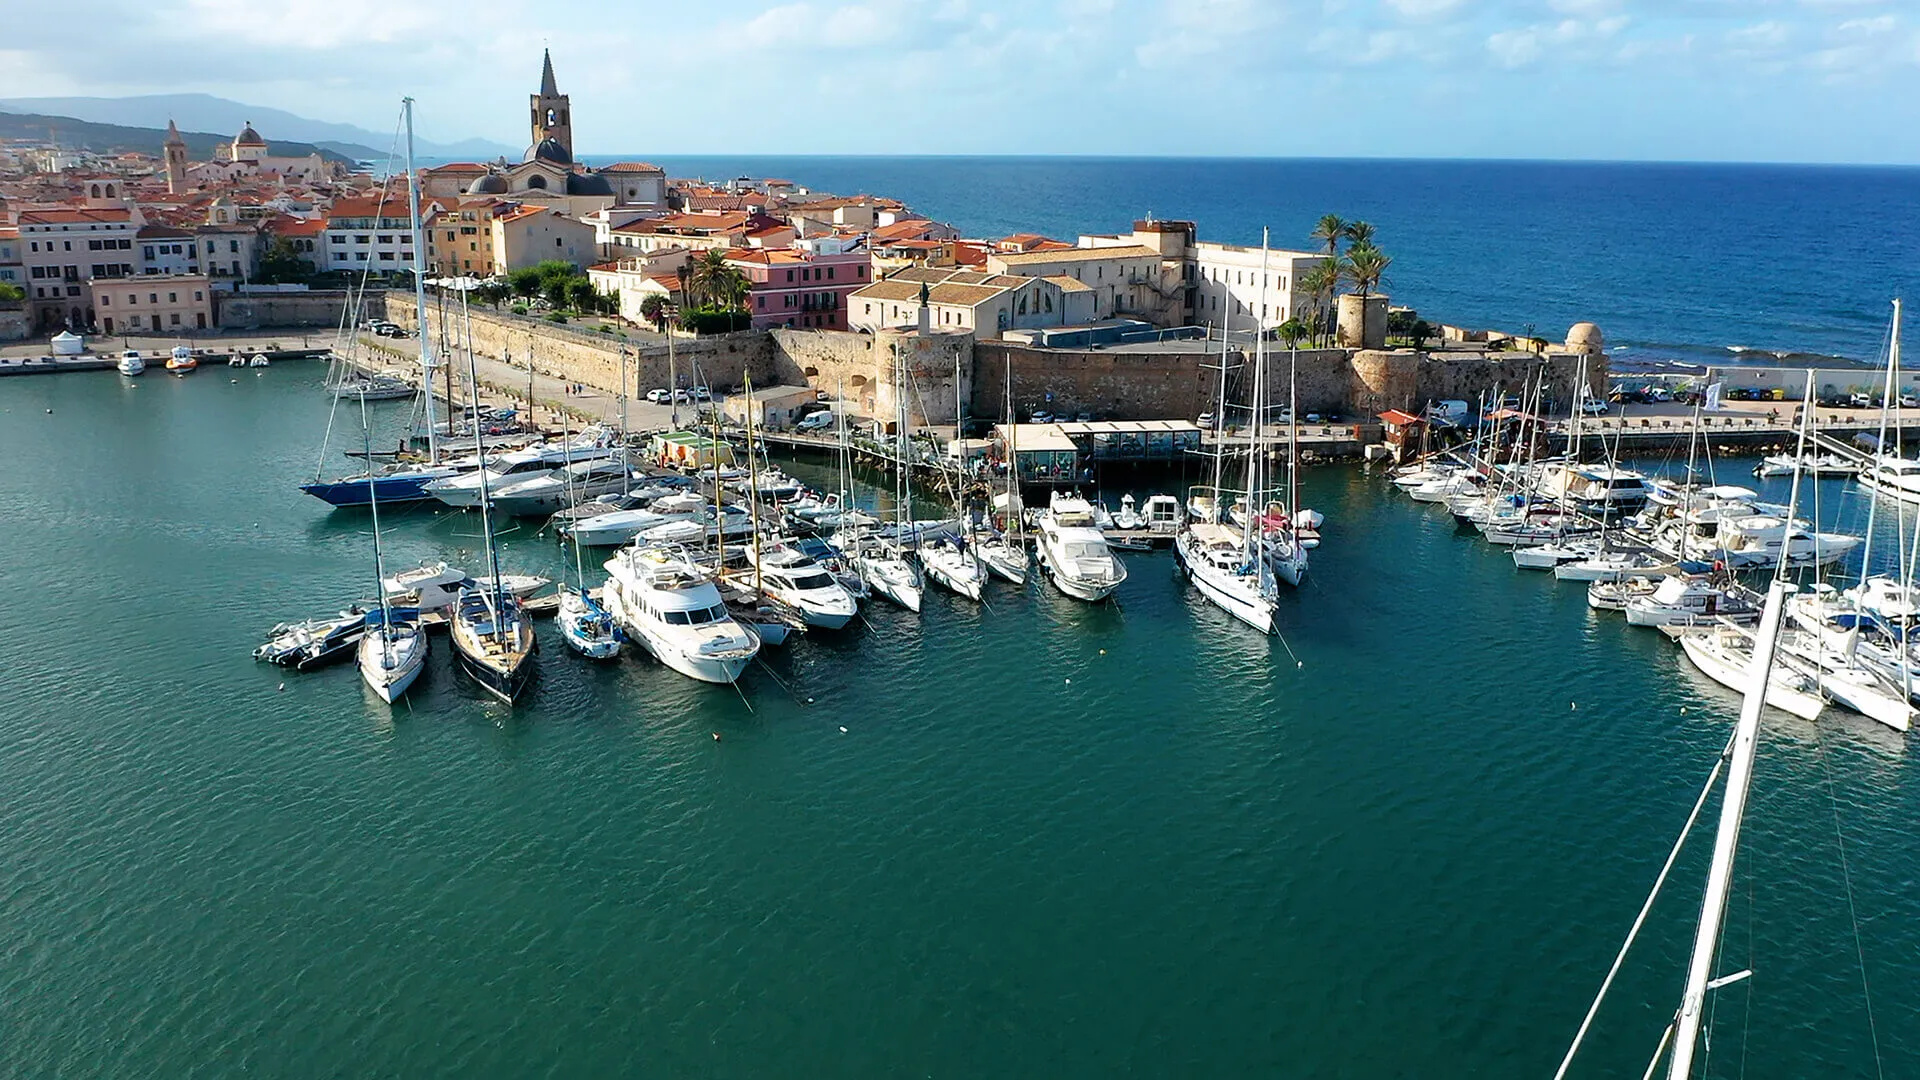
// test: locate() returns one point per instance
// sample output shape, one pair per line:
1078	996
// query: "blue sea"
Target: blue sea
1694	262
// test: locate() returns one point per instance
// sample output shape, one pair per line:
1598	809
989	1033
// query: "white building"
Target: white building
167	250
1228	285
366	233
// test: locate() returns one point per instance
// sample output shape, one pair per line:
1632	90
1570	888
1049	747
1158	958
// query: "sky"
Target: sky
1739	80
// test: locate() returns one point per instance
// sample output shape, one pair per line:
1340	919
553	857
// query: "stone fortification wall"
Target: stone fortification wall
320	308
14	323
721	362
860	368
1147	385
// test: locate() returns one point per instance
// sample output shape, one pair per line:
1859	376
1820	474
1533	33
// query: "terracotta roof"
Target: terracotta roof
632	167
1068	284
74	217
457	167
161	232
910	229
943	293
1398	418
1028	258
519	212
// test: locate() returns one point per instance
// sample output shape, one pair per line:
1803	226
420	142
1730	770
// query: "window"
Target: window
126	245
174	319
789	275
93	245
196	295
135	321
760	302
233	247
173	298
153	298
829	273
209	247
106	300
337	239
146	252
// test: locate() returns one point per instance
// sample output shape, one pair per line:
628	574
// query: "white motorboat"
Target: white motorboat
1214	557
435	586
1848	682
1548	556
1004	557
586	627
1161	514
797	580
1725	655
1892	476
582	480
131	362
393	651
1616	595
1128	517
1691	601
516	466
673	609
1595	486
954	565
1074	552
621	526
1615	566
1812	465
1756	541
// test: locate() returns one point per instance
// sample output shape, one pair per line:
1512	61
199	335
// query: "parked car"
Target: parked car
1910	401
816	421
701	393
659	396
1205	421
1593	407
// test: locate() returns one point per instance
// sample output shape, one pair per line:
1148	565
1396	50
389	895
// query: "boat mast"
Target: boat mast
1733	806
753	495
1220	416
959	444
491	593
626	475
1250	529
1013	460
420	290
379	566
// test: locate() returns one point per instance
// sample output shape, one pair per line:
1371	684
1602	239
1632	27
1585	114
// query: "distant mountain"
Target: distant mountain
204	112
80	134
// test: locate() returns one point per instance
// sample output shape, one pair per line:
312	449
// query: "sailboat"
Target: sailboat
402	483
1224	560
1005	553
585	626
883	564
393	651
951	561
492	634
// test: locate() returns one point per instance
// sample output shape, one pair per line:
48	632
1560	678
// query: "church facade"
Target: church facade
547	174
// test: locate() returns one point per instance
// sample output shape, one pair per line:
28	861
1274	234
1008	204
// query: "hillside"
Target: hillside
115	138
206	112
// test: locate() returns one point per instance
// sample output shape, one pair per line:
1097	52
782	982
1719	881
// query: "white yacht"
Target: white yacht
579	481
673	609
795	579
1215	559
1614	566
1690	601
512	468
953	565
131	362
435	586
1074	552
1757	541
1895	476
1595	486
621	526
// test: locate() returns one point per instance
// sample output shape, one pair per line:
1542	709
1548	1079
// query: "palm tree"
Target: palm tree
714	282
1330	230
1292	331
654	309
1366	267
1359	234
1320	283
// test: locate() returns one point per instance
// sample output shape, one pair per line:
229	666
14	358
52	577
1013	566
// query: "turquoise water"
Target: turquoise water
1053	840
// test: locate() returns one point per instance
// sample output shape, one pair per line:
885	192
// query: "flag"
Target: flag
1713	397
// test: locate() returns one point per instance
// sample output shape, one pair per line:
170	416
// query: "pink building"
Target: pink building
799	288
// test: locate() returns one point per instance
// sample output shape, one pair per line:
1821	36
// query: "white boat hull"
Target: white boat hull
391	664
1784	692
1229	593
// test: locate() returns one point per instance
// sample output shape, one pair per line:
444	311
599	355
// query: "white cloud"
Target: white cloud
1425	9
1572	37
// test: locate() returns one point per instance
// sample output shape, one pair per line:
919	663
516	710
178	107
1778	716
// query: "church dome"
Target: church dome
490	184
549	149
248	137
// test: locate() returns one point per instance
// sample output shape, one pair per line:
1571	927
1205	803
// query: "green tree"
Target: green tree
1330	230
491	293
280	263
583	297
10	293
1366	267
655	309
1359	234
525	282
556	290
1321	283
715	283
1293	331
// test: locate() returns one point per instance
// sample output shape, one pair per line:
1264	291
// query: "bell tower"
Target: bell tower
550	111
175	151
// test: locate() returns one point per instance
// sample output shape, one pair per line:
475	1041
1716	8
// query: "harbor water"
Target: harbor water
1027	838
